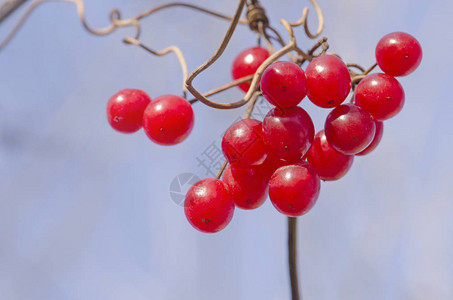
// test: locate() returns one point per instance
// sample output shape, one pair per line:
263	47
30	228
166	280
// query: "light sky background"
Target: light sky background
85	212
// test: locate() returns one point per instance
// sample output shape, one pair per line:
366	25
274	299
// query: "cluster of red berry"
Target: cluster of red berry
281	156
167	120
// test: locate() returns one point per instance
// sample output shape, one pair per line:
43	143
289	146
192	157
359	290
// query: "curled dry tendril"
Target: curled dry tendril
290	46
116	21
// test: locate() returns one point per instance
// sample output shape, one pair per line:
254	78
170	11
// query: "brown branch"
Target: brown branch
222	168
254	84
265	36
249	110
7	7
187	5
292	257
225	87
370	69
115	18
356	78
311	52
165	51
303	21
356	66
291	46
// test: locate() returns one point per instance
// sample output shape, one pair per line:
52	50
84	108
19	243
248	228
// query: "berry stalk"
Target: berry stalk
292	258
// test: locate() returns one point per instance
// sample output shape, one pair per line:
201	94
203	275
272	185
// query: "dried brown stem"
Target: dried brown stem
8	7
370	69
356	66
357	77
278	38
289	47
187	5
311	52
222	168
361	69
249	110
115	18
212	59
303	21
266	38
292	257
225	87
165	51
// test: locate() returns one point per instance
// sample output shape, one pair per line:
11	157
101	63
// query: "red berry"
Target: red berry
168	120
377	138
247	62
243	144
247	186
349	129
209	206
294	189
328	162
328	81
125	110
381	95
271	164
398	54
283	84
288	133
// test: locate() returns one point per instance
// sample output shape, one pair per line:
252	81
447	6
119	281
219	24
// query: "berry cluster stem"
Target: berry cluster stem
292	257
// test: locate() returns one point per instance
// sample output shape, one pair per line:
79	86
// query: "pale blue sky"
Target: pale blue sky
85	212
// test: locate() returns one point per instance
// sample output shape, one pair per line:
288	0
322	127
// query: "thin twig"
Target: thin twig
356	66
303	21
187	5
370	69
222	168
292	258
249	110
7	7
278	38
266	38
165	51
310	53
225	87
115	18
254	84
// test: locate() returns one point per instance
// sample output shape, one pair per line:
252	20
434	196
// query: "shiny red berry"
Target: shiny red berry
243	143
248	187
381	95
271	164
208	205
288	133
247	62
398	54
349	129
125	110
377	138
168	120
328	81
294	189
328	162
283	84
